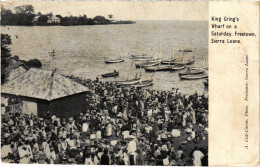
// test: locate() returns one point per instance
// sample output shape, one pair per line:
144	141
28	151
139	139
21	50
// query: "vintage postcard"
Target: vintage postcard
147	83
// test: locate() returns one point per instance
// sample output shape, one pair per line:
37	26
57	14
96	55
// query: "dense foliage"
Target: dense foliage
25	15
5	51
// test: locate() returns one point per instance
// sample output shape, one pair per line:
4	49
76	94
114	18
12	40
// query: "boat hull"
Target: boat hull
193	72
170	62
178	67
110	75
153	69
130	82
142	59
146	65
114	61
155	60
193	77
199	68
143	84
139	56
185	63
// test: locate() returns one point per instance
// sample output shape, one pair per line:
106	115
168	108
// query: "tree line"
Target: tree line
25	15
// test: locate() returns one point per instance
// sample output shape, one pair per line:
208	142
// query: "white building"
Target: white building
53	19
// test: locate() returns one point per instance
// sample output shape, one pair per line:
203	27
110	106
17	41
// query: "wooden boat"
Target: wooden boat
178	67
114	61
184	63
158	68
142	56
130	81
206	83
193	77
146	64
185	50
111	74
143	83
139	56
200	68
170	62
143	59
155	60
192	72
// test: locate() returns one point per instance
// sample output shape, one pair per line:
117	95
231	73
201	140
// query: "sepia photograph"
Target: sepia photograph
104	83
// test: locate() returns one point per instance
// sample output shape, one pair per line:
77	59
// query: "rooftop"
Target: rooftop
42	84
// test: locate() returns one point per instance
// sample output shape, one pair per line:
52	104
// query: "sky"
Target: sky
122	10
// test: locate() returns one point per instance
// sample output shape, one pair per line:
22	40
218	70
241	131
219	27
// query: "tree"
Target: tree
39	14
25	9
43	19
59	16
49	14
5	51
24	15
32	63
7	17
5	54
100	19
110	16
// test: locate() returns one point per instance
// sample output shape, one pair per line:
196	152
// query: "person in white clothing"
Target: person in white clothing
131	146
197	156
88	160
85	127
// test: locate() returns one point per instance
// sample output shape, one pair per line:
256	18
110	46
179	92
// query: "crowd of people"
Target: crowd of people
121	126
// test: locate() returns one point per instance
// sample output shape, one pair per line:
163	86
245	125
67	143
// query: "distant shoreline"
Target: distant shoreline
112	23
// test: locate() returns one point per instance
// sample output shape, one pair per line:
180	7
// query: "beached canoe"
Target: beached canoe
111	74
155	60
199	68
130	82
114	61
170	62
184	63
146	64
143	59
143	83
192	72
177	67
193	77
139	56
185	50
158	68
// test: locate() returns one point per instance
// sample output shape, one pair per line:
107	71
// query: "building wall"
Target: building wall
29	106
53	21
63	107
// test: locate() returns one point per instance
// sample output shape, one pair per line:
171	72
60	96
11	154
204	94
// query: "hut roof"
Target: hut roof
42	84
14	66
